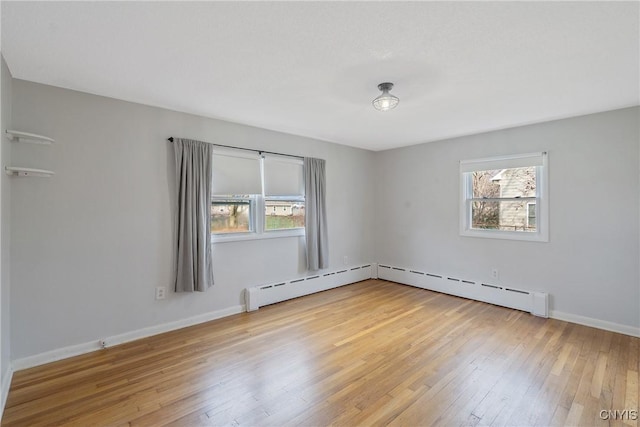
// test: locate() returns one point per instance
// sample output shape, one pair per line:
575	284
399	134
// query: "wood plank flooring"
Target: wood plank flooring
371	353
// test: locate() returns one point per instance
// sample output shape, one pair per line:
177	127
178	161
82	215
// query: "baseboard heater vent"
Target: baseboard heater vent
533	302
262	295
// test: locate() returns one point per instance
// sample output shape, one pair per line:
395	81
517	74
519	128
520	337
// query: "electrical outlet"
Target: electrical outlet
494	273
102	343
161	292
345	260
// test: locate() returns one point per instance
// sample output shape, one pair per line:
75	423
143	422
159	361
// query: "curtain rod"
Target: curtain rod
170	139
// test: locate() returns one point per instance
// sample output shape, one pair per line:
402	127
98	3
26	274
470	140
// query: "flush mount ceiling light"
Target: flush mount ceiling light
385	101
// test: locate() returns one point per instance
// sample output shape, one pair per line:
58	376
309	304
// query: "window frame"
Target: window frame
541	200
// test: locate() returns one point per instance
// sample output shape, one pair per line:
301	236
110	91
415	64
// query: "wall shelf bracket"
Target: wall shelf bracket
24	172
33	138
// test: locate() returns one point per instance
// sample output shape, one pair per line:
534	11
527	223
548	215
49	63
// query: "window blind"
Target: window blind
496	163
283	176
236	173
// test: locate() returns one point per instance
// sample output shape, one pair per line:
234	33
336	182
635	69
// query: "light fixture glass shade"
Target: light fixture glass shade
385	101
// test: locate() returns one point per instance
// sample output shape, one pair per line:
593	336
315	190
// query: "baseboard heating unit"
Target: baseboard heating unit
533	302
260	296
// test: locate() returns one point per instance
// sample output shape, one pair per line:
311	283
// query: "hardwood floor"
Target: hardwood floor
371	353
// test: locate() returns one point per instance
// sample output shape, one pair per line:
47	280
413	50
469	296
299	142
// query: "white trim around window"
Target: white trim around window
541	197
273	234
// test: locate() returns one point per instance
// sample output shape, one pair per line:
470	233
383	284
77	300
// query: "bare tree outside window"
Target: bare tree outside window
230	216
486	213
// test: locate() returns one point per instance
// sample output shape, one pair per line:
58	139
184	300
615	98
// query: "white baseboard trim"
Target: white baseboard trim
6	385
595	323
87	347
172	326
444	284
465	287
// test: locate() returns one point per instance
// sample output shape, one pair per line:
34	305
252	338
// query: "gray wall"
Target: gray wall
90	244
5	223
589	266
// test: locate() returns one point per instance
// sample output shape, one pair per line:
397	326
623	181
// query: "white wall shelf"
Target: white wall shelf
24	172
32	138
18	136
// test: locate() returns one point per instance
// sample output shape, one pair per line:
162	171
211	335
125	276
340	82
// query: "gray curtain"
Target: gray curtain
315	214
193	215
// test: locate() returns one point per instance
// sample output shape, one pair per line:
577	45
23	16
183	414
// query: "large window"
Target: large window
256	196
505	197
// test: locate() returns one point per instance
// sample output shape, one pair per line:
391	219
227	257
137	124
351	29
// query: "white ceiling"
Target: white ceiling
311	68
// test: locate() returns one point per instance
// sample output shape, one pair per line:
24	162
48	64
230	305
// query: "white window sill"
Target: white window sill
274	234
506	235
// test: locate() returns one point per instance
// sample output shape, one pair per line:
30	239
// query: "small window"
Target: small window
505	197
